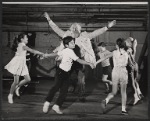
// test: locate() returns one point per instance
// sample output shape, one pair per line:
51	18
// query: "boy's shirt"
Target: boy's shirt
67	56
103	55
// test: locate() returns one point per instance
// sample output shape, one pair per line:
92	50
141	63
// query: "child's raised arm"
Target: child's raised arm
32	50
102	59
131	63
134	47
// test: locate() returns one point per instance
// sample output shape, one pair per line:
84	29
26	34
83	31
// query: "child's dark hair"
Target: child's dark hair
17	40
21	35
120	42
102	44
67	39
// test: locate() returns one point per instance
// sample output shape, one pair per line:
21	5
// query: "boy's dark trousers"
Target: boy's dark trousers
62	83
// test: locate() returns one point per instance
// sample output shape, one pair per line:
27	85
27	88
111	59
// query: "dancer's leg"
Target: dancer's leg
12	89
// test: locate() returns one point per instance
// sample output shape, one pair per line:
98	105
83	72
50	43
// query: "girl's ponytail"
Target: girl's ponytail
17	40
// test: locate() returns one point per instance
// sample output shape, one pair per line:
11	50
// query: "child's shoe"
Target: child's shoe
10	98
46	107
56	109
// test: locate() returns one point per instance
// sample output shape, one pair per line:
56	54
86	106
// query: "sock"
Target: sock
11	95
136	96
56	105
110	96
47	103
107	100
138	90
123	108
17	86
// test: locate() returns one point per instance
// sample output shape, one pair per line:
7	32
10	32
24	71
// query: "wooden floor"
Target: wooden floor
29	106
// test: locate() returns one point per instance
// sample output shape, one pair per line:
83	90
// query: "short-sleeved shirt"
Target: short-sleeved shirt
103	55
67	56
120	59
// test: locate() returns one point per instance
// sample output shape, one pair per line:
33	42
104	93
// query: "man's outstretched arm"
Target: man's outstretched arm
55	28
101	30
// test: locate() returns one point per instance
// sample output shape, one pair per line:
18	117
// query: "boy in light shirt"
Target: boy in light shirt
62	75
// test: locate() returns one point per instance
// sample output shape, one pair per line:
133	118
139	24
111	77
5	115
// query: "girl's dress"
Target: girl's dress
17	66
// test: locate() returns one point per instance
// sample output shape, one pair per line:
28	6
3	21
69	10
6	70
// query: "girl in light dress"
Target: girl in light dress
17	66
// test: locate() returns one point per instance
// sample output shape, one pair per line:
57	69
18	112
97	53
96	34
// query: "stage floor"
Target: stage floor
29	106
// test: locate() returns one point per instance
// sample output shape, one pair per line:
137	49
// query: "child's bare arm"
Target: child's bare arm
85	63
134	47
102	59
50	55
130	62
32	50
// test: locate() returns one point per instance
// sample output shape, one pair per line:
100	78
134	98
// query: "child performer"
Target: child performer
105	65
62	75
17	66
119	75
131	45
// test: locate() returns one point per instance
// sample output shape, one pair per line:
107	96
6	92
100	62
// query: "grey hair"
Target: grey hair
75	27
